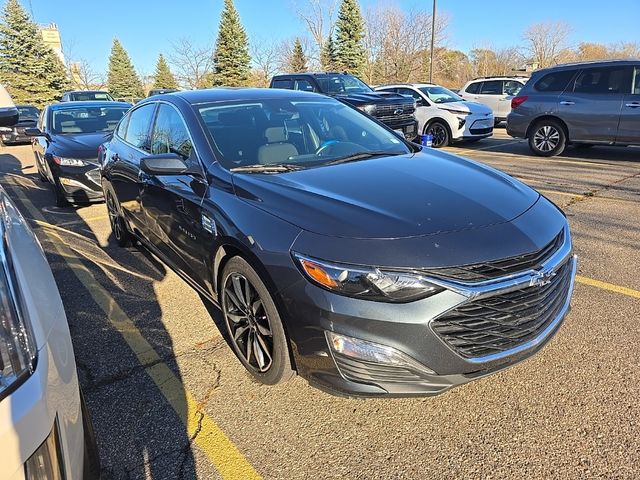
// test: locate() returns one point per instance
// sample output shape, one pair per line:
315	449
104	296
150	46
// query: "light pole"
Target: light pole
433	39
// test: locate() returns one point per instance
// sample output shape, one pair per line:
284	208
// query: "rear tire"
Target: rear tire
255	329
440	133
547	138
118	225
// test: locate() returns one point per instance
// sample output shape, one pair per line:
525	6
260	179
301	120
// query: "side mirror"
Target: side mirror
34	132
8	116
164	164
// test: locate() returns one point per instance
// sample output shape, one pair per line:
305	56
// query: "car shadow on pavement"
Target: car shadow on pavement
140	434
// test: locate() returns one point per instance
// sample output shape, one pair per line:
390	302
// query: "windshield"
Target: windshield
342	84
75	120
439	94
88	96
28	112
301	133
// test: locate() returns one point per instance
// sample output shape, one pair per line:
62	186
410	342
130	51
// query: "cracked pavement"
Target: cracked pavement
569	412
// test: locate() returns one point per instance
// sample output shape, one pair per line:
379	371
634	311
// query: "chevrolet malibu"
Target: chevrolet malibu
45	430
336	249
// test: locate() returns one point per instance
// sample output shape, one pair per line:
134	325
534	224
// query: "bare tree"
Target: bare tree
265	56
488	61
546	43
319	18
84	77
192	64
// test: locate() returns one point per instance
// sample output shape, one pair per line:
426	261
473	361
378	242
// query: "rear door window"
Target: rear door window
636	81
139	126
603	81
491	87
285	83
512	87
303	84
474	87
555	81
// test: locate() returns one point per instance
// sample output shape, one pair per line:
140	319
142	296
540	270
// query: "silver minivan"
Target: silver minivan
585	104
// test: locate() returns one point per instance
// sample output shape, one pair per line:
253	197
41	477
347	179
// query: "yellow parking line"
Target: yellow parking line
557	192
210	438
84	220
630	292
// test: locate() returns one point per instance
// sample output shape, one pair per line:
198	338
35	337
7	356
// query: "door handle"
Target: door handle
115	157
633	105
566	102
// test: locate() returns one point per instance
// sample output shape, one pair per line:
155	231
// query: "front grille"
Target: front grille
501	322
479	272
405	117
388	111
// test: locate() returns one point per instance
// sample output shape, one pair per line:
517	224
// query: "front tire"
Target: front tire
254	326
58	192
118	226
440	133
91	463
547	138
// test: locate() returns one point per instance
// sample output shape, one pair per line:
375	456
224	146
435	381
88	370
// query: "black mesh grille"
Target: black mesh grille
479	272
502	322
376	373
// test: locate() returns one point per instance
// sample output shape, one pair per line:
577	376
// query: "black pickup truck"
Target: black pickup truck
394	110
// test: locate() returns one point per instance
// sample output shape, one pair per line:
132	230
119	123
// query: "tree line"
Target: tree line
382	44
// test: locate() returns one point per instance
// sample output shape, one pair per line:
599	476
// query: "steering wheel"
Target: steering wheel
322	149
336	147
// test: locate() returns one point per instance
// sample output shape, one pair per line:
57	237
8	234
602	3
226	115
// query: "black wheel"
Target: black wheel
41	175
439	132
547	138
118	227
91	464
255	329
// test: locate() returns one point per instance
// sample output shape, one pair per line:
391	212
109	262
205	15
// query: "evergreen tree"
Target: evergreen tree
163	78
350	53
123	81
298	60
328	55
231	58
32	72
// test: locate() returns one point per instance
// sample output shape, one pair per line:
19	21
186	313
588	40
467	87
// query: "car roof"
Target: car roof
86	91
88	103
222	94
500	77
314	74
592	63
26	105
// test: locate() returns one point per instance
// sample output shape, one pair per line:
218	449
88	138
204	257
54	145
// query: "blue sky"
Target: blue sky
147	28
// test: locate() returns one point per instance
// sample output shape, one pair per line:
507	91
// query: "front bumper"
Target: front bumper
15	137
80	184
408	328
46	402
408	129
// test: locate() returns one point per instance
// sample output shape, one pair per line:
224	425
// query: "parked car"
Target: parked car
161	91
444	114
495	93
86	95
45	428
8	111
363	263
65	144
395	111
584	104
27	117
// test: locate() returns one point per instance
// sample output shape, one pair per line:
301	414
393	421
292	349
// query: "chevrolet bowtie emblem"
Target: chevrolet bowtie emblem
540	279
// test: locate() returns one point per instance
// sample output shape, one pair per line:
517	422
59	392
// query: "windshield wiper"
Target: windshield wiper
268	168
361	156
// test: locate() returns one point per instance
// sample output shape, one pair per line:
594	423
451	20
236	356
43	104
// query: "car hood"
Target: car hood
375	98
390	197
82	145
471	107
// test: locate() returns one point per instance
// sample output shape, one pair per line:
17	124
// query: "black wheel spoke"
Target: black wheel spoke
264	330
236	318
234	299
240	331
239	294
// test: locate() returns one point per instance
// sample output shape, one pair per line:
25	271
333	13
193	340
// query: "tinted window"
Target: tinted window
474	87
636	82
138	127
610	80
122	127
439	94
511	87
83	96
491	87
555	81
304	85
170	134
282	83
76	120
410	93
342	84
28	113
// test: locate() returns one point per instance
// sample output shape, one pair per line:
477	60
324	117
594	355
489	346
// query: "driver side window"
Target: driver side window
170	135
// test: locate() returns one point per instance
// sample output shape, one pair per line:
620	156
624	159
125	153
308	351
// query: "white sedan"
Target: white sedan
45	431
445	115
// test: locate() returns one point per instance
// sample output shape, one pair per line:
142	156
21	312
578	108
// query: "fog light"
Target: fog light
44	464
372	352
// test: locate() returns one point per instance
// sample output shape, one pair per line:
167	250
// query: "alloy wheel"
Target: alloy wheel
439	134
546	138
114	219
248	322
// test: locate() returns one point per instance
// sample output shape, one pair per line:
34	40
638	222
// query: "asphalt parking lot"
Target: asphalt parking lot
169	400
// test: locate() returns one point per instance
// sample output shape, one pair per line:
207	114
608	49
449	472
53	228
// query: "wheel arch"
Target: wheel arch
555	118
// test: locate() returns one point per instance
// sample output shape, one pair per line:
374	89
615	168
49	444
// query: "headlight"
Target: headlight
455	111
17	349
367	283
368	109
69	162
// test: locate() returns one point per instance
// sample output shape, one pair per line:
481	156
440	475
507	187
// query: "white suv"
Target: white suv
494	92
445	115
